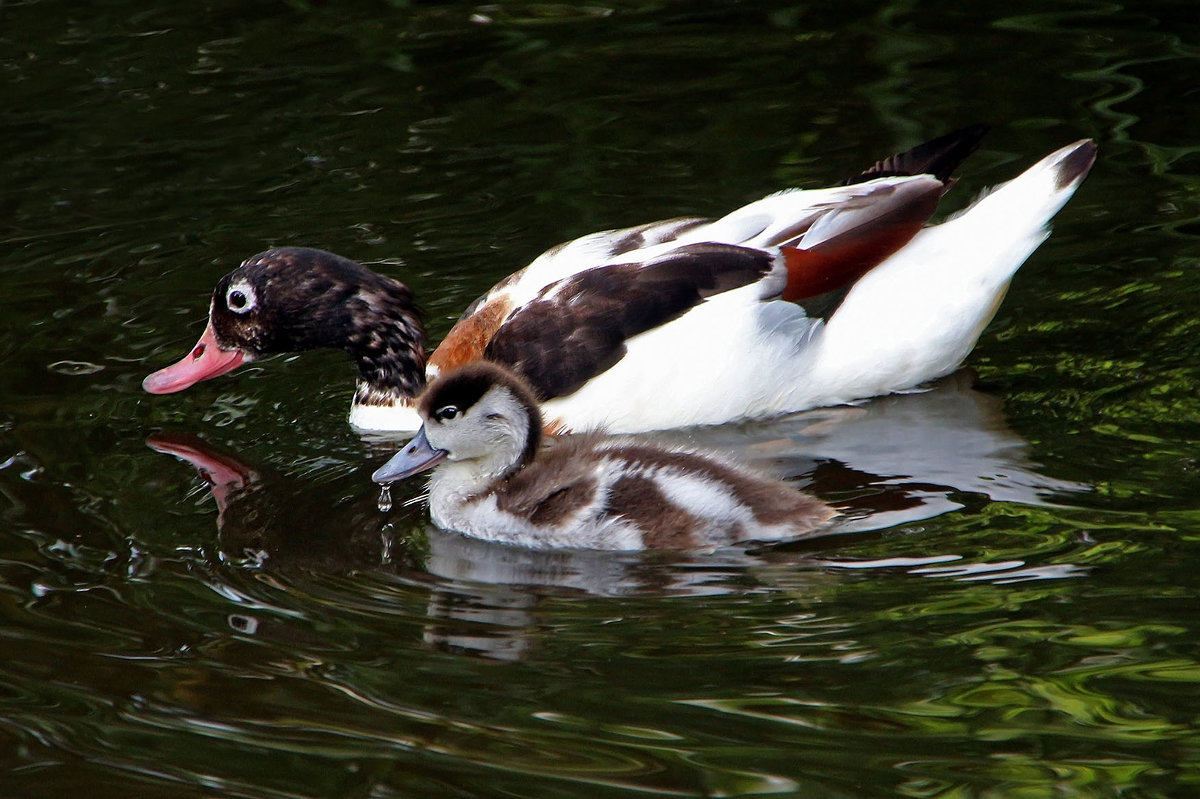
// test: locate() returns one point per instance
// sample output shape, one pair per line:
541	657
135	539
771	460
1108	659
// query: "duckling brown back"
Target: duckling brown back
674	498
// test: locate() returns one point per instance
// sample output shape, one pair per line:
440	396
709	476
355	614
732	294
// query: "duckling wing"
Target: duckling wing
577	327
559	491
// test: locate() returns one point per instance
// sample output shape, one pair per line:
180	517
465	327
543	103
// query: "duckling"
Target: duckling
494	480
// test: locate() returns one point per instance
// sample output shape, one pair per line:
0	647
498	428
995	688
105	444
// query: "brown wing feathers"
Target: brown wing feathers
578	327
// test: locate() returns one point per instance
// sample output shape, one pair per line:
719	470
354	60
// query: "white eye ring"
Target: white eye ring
240	297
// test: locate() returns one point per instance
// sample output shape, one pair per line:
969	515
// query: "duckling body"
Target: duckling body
494	480
802	299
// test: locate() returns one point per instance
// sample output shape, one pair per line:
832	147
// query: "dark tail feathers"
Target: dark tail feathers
938	157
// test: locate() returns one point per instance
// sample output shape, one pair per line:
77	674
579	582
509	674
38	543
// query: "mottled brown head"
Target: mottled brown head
292	299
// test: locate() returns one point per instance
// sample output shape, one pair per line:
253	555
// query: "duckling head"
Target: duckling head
482	419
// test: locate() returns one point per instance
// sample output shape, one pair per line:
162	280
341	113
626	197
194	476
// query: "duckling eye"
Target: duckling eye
446	413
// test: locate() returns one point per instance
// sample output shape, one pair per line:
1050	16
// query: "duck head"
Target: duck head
296	298
481	417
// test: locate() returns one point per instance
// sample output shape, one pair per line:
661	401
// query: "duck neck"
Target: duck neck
391	380
391	362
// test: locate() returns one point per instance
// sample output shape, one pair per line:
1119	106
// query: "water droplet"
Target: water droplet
387	539
385	499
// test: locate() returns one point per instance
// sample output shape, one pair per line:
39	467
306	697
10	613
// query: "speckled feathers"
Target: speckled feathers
306	299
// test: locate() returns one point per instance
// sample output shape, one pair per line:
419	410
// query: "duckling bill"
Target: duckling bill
494	480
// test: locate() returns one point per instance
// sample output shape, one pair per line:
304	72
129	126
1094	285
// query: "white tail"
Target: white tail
916	316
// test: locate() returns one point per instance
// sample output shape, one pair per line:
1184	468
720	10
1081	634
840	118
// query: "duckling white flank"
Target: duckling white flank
493	480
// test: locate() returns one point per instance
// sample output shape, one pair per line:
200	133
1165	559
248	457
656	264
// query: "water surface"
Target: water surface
201	598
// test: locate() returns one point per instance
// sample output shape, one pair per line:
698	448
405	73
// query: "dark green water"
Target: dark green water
1015	613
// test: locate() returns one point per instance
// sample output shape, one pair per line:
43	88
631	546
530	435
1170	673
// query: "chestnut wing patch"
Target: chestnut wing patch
578	327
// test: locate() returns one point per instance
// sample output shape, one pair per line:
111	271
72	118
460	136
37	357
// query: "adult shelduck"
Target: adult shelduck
801	299
493	479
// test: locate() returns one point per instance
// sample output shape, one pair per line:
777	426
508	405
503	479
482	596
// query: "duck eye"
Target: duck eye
240	298
446	413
